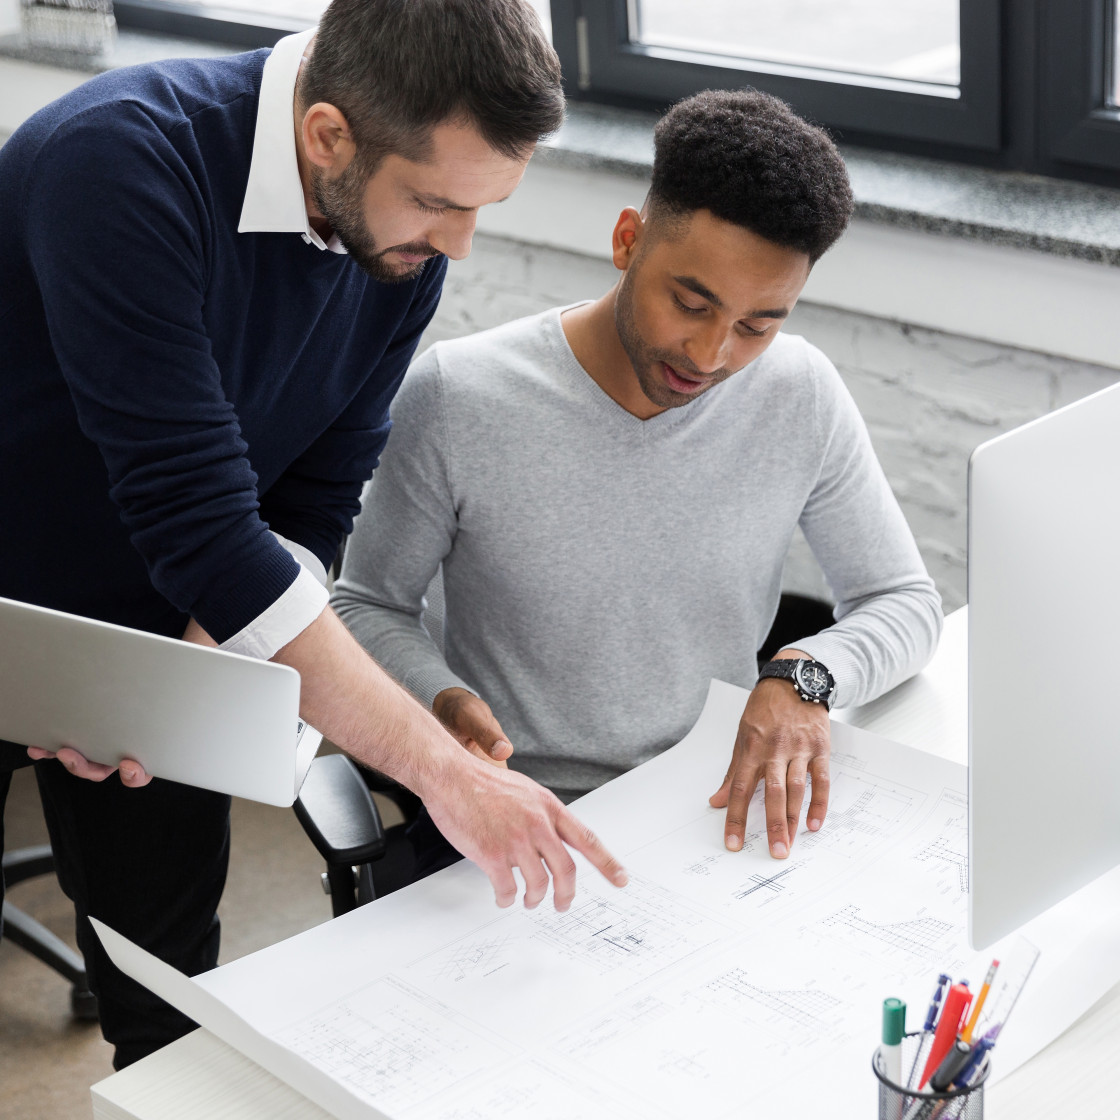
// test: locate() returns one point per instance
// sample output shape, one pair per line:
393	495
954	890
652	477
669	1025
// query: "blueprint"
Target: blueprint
713	980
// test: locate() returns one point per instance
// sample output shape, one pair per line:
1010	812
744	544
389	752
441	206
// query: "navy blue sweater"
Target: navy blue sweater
169	387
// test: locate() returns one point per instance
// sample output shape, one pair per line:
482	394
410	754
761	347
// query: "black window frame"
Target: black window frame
1078	125
600	63
1033	89
227	26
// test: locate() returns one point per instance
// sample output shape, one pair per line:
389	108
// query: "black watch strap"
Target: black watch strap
784	668
792	669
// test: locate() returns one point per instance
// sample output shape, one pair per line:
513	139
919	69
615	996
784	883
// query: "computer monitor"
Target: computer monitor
1043	672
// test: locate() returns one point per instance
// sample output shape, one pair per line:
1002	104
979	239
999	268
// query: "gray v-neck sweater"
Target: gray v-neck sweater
600	569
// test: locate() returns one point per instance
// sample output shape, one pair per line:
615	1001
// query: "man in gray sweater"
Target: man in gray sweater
611	489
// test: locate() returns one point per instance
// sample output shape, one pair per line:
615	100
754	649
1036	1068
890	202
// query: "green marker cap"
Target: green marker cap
894	1021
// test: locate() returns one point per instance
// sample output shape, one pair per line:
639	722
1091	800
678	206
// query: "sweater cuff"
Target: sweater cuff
428	682
286	618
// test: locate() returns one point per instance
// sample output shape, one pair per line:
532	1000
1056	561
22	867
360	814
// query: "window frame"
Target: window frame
1078	126
1033	93
217	25
602	64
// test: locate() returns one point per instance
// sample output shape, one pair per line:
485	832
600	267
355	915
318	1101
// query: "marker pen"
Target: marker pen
952	1015
894	1027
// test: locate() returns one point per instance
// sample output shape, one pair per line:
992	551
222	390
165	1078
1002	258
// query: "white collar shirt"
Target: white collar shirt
274	199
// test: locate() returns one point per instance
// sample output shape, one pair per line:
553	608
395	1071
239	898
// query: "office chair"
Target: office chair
23	930
336	807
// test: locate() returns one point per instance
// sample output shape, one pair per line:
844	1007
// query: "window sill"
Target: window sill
1014	259
1011	209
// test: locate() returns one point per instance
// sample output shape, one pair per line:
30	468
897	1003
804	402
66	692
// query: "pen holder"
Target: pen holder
896	1102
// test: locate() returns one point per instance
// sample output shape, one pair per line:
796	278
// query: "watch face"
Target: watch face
814	680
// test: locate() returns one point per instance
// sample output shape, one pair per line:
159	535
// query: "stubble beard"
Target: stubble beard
341	202
644	359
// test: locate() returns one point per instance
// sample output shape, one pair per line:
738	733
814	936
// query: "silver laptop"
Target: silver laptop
184	712
1043	624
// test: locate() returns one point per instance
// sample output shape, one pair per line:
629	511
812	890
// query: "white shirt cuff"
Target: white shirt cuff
305	556
288	617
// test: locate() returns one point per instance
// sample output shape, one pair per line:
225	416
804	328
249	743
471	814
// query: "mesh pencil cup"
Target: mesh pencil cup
896	1102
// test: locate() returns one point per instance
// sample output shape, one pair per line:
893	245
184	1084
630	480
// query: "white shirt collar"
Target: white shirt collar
274	201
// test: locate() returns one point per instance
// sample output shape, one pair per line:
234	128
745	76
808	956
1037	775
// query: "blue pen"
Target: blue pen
931	1018
969	1074
972	1068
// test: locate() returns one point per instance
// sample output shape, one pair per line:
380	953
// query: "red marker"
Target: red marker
948	1027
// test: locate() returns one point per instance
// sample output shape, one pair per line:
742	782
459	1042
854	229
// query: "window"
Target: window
246	23
1004	83
908	39
1078	114
910	70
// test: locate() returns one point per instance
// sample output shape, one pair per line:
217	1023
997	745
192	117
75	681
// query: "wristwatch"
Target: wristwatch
811	679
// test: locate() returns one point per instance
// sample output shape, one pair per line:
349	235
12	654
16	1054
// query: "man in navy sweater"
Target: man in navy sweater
214	276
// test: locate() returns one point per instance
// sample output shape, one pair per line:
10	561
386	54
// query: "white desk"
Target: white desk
200	1076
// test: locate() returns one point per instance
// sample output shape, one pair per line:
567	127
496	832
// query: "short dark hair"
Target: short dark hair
751	160
397	68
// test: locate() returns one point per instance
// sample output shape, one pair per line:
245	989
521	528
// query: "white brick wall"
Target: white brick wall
928	397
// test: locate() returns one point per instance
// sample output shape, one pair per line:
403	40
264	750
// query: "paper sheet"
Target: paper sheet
715	980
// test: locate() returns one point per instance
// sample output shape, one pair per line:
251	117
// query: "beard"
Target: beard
646	359
341	201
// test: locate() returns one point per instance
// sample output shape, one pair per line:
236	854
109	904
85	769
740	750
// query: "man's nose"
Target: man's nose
454	234
707	349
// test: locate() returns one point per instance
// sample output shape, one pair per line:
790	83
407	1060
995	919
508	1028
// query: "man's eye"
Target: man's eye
686	307
430	209
748	329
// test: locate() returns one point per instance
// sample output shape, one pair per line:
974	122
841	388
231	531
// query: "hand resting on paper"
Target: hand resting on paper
132	773
468	717
781	739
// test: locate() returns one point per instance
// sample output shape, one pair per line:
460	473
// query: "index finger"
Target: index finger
577	835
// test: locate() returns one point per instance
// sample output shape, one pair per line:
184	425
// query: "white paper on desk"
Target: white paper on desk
221	1020
714	981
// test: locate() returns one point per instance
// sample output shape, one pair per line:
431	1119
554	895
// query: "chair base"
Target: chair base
23	930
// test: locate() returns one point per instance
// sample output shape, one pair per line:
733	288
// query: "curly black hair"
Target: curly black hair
751	160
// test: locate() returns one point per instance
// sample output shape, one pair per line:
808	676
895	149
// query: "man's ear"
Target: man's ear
627	235
327	140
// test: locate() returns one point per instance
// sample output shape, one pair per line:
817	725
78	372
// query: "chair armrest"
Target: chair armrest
338	813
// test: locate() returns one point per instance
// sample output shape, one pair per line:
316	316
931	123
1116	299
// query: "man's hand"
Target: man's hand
495	817
501	820
470	720
132	773
781	739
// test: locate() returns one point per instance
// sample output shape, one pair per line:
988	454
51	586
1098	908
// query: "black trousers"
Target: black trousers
151	863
